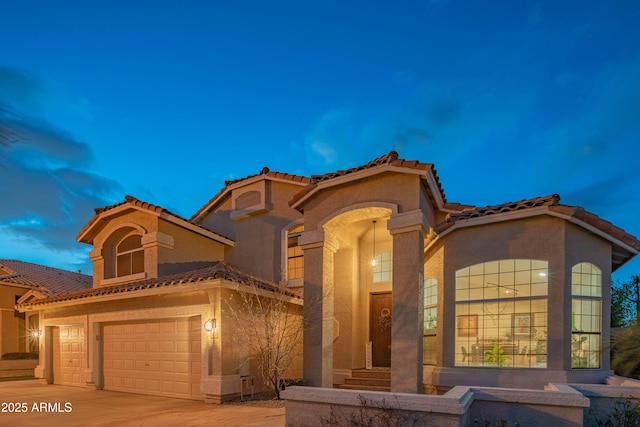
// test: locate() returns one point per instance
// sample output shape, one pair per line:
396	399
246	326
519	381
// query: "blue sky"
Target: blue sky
164	100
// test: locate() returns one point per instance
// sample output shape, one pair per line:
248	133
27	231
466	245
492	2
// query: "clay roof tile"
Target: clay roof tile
47	280
217	270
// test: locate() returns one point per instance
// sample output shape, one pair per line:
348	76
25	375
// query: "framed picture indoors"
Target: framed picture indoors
522	324
468	325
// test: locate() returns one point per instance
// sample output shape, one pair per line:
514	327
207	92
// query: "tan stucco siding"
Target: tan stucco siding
540	238
142	303
536	238
190	250
402	190
433	215
258	238
103	254
145	220
12	329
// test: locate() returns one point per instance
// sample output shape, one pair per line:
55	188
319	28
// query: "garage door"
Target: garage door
68	354
160	357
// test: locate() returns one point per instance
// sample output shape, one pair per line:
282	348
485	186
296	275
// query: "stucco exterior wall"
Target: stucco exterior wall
403	190
12	329
103	254
543	238
258	237
190	250
222	354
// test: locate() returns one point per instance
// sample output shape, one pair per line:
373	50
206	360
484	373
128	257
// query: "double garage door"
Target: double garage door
159	357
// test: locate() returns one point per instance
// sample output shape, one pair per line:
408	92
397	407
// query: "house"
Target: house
24	280
159	316
393	276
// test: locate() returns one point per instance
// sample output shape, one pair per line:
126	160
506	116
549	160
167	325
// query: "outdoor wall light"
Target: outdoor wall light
210	325
36	333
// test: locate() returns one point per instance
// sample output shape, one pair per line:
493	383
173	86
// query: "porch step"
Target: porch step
368	379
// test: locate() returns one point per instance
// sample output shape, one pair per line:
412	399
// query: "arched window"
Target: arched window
501	314
129	256
430	321
295	257
586	315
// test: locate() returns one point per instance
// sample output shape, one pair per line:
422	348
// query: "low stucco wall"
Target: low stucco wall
604	397
17	368
559	405
314	406
564	405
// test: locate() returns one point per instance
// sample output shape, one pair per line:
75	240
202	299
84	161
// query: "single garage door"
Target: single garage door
159	357
68	354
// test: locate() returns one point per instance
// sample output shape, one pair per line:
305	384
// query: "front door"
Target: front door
380	329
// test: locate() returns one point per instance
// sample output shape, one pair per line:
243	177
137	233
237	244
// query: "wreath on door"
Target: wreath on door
384	320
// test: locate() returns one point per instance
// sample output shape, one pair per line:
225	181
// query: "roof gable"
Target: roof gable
230	185
389	162
625	245
102	216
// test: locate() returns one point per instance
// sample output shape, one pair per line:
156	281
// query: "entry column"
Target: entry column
319	248
408	231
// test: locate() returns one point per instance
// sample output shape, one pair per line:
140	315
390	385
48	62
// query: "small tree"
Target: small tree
625	302
269	322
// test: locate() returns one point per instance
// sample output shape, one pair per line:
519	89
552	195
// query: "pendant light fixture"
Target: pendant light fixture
373	260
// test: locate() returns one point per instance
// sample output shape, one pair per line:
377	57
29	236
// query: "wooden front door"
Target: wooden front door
380	329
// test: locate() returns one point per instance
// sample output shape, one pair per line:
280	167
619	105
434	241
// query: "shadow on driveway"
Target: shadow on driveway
55	405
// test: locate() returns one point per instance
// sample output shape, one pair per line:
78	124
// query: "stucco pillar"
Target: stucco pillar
319	249
408	231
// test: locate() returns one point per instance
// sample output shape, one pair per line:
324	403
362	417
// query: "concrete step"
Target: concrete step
376	382
368	388
371	373
368	379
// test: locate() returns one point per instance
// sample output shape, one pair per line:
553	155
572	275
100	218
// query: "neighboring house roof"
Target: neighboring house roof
625	246
229	185
89	231
179	282
389	161
45	280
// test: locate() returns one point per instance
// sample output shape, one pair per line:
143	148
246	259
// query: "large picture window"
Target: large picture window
586	315
501	314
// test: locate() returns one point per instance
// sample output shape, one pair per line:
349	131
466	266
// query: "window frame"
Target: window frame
293	232
591	294
129	254
486	294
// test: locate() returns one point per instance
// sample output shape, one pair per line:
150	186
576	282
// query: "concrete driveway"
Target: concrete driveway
55	405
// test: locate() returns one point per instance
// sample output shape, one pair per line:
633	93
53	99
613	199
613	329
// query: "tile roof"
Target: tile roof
140	204
595	221
391	159
476	212
265	171
552	202
218	270
277	175
48	280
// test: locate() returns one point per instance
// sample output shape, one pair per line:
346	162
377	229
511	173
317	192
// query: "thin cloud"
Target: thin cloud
48	190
